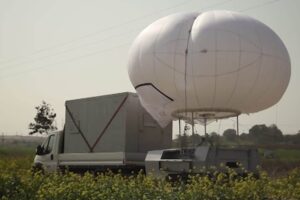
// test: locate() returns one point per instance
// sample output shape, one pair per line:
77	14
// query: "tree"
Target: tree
43	120
230	134
275	133
261	134
214	138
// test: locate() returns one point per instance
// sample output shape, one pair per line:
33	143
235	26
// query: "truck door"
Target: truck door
47	158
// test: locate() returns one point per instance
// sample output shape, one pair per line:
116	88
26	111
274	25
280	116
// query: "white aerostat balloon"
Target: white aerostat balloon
210	65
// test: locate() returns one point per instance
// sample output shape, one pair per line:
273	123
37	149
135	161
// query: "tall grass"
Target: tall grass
17	182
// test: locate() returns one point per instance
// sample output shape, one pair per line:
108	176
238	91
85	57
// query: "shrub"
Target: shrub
17	182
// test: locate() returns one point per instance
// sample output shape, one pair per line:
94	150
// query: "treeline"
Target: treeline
258	135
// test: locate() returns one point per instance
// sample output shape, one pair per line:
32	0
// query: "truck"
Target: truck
115	132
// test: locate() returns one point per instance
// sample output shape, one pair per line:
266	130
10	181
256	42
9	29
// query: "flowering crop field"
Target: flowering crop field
17	182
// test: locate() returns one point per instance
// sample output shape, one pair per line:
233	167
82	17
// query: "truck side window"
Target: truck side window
45	144
50	144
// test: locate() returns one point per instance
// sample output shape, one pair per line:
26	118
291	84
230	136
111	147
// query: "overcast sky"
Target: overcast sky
57	50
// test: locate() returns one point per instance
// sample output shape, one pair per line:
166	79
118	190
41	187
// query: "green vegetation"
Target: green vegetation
288	154
259	135
17	182
16	151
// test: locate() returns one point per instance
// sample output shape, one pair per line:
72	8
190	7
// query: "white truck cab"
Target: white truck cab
46	158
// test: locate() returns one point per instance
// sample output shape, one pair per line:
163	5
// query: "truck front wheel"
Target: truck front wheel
37	168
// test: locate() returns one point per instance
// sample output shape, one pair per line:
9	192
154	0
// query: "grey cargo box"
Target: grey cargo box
113	123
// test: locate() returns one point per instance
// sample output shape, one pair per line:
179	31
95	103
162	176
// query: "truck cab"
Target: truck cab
46	158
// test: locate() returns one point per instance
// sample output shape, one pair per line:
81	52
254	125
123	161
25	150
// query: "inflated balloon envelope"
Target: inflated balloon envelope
210	65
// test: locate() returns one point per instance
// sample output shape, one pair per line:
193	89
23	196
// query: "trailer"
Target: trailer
201	159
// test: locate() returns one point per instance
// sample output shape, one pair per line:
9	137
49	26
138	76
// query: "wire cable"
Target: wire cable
128	22
83	45
67	60
93	43
105	29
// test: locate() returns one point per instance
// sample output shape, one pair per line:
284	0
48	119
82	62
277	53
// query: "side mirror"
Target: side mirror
39	150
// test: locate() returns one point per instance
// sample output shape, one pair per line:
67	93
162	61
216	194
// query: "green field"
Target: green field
287	154
16	151
17	182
